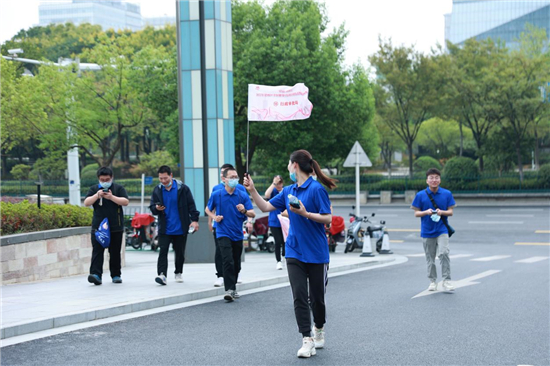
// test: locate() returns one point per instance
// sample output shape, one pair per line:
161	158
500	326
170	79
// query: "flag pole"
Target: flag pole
247	142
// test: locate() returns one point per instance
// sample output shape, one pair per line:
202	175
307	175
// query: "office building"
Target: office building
495	19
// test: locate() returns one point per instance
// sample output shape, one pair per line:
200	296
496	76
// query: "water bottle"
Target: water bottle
293	201
191	230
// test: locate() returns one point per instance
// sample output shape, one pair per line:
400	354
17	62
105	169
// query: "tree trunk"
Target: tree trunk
536	149
410	150
520	162
127	149
122	149
137	152
461	139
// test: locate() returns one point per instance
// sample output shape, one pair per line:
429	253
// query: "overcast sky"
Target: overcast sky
418	22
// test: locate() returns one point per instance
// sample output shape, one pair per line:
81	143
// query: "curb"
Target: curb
102	313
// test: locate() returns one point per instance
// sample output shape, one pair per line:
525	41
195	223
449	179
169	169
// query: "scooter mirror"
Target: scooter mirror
373	214
382	222
353	207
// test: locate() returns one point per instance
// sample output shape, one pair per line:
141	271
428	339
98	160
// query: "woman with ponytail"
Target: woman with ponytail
307	255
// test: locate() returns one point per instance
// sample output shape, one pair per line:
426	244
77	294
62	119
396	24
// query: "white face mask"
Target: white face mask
106	185
314	177
435	217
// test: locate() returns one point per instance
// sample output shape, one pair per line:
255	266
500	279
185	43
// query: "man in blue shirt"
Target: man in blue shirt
212	227
433	205
173	202
229	208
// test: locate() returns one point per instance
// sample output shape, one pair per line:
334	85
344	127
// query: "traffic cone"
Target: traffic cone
386	245
367	247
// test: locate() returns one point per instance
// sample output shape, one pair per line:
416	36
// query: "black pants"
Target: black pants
231	252
279	242
98	253
298	274
218	256
178	242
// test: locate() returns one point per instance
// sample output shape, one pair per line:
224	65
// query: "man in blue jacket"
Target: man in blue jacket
173	202
433	205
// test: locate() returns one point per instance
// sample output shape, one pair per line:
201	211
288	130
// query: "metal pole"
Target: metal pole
38	195
142	192
357	200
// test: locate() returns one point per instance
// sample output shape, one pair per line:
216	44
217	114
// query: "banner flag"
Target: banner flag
278	103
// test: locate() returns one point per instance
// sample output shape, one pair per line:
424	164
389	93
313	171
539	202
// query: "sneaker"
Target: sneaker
235	294
161	279
433	286
178	277
319	337
279	265
117	279
95	279
228	295
447	286
239	278
308	348
218	282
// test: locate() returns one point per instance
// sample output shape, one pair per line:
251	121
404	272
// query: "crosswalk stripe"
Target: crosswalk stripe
406	230
415	255
522	209
492	258
454	256
542	231
396	241
532	260
519	243
510	215
495	222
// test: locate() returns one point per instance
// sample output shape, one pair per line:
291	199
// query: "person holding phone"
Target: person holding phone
307	254
229	208
107	198
273	221
177	214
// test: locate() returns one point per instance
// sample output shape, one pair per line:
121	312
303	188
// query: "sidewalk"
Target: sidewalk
33	307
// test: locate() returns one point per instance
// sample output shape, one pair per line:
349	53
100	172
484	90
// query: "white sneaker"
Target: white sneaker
218	282
235	294
239	278
178	277
433	286
319	337
279	265
447	286
161	279
228	296
308	348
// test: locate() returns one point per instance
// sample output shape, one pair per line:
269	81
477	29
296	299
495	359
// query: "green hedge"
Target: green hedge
25	217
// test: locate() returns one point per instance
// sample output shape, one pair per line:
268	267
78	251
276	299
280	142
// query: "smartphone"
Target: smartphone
159	204
295	204
105	189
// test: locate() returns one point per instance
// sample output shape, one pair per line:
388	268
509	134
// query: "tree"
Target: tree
282	45
412	85
473	83
441	137
21	171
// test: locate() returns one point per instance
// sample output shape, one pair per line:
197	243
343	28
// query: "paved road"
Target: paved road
498	316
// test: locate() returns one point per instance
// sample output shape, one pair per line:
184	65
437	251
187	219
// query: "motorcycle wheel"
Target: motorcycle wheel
349	247
253	243
271	247
155	244
135	243
379	245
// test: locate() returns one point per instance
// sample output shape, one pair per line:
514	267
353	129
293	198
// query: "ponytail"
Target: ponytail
322	177
308	165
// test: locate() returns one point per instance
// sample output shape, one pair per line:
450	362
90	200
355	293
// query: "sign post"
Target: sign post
356	158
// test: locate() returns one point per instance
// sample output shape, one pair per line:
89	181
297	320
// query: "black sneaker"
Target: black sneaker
95	279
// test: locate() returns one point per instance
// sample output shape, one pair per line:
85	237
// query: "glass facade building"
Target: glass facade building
205	85
109	14
495	19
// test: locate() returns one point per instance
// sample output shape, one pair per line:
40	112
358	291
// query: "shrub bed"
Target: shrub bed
25	217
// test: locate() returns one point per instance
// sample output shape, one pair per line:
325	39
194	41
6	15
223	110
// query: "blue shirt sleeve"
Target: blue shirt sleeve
279	201
323	201
247	203
212	201
451	202
417	202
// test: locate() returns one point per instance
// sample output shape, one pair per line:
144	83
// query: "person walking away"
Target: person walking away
107	199
229	207
173	202
307	255
433	230
273	221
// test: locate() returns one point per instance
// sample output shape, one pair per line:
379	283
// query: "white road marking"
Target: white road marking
492	258
521	209
415	255
510	215
532	260
454	256
461	283
495	222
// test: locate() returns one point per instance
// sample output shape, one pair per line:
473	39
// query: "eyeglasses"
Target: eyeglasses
434	178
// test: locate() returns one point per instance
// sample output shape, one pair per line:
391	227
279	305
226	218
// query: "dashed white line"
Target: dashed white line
531	260
492	258
454	256
496	222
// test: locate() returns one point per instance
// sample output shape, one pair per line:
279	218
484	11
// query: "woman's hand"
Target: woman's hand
248	183
300	211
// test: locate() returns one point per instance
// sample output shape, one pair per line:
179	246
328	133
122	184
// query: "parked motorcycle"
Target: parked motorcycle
361	229
143	232
261	238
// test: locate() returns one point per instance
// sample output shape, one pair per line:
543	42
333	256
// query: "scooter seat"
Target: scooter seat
375	228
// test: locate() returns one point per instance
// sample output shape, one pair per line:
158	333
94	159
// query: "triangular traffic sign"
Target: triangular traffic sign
357	156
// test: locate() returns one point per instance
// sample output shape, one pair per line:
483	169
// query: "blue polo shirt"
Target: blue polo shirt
444	199
273	220
173	220
306	239
225	205
222	186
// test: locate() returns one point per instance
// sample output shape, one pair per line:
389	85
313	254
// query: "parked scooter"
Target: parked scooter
356	234
144	231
